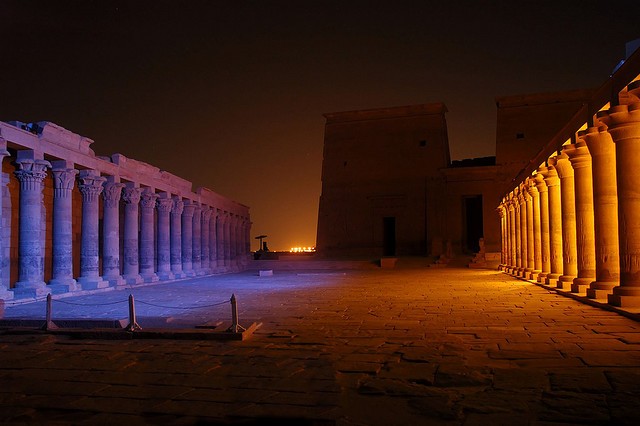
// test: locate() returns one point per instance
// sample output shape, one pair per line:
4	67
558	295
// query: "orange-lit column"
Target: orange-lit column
522	227
605	209
528	273
568	202
511	207
503	243
624	126
535	243
555	224
543	196
586	247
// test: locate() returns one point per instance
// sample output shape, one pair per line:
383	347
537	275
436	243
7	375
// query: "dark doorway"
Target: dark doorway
389	236
473	227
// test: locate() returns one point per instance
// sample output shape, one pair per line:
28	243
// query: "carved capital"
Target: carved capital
31	173
63	180
148	199
111	193
178	206
164	205
131	195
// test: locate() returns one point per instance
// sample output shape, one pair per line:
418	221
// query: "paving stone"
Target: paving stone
454	375
574	407
520	378
591	380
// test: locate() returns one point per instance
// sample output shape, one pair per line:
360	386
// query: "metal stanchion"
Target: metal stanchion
235	327
133	324
48	324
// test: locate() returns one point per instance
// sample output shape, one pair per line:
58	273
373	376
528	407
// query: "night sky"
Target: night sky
230	94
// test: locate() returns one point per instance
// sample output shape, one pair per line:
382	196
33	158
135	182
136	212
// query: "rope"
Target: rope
90	304
182	307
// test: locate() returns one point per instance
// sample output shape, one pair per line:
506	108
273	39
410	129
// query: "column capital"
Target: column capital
550	175
623	121
206	213
540	183
90	184
562	164
178	205
111	193
532	189
164	205
148	199
31	170
578	154
189	208
131	194
63	180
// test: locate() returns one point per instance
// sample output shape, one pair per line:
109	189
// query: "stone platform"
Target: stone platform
412	345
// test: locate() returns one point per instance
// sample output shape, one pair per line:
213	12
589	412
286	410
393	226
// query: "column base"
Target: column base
565	282
542	277
625	297
580	285
189	274
552	280
600	290
66	285
178	274
132	279
150	277
27	289
165	275
115	281
92	283
5	294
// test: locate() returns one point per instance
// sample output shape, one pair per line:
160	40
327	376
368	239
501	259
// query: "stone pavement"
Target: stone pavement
379	347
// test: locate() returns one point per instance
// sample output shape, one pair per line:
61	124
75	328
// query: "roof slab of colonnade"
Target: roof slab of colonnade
612	89
53	142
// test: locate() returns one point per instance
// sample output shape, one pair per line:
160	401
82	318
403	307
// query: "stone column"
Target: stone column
535	245
624	126
503	245
5	294
164	204
147	227
213	241
513	214
220	240
90	186
240	242
227	241
233	224
586	247
64	176
187	238
545	254
524	255
131	197
605	209
530	270
31	172
111	232
196	251
552	181
176	237
206	219
247	239
568	202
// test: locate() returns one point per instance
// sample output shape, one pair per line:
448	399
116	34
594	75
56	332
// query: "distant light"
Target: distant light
302	250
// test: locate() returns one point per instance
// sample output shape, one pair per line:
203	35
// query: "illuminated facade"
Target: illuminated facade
73	221
572	220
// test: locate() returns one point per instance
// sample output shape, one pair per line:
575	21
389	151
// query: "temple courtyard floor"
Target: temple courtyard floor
408	346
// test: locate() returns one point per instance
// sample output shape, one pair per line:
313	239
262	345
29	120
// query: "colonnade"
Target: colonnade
574	224
131	233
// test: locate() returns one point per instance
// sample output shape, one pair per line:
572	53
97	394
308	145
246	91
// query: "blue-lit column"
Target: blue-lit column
196	240
147	225
5	294
131	198
31	172
176	237
213	241
163	245
90	186
111	195
206	223
220	240
64	177
187	238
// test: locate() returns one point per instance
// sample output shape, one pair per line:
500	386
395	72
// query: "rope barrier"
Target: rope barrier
91	304
183	307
